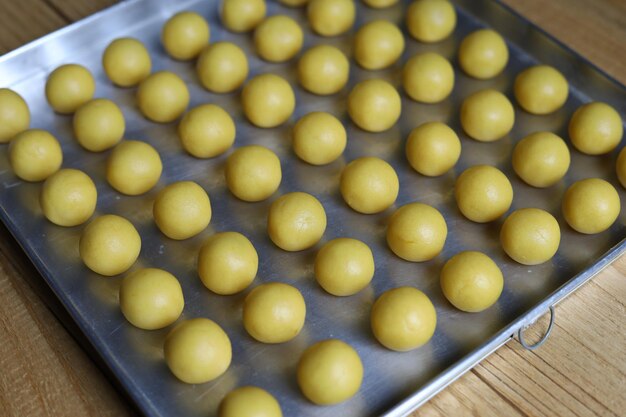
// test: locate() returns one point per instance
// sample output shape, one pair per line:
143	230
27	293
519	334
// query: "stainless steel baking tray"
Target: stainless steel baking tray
394	383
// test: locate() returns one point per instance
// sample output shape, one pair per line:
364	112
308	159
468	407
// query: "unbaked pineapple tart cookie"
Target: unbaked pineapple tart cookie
369	185
430	20
483	193
541	89
98	125
126	62
374	97
591	205
35	154
184	35
331	17
278	38
323	70
253	173
541	159
133	167
206	131
249	401
294	3
68	87
242	15
319	138
344	266
182	210
378	44
530	236
487	115
296	221
268	100
433	149
483	54
595	128
222	67
380	4
14	114
428	78
68	197
162	97
620	167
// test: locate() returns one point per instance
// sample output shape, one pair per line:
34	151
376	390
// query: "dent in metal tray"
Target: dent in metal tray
393	381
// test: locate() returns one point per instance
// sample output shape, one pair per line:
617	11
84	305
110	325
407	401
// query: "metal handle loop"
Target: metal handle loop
520	336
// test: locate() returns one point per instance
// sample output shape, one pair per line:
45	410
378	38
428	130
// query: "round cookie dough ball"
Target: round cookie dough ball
331	17
126	62
378	44
14	114
296	221
268	100
35	154
294	3
323	70
369	185
541	159
162	97
483	193
430	20
68	197
433	148
184	35
541	89
249	401
530	236
428	78
278	38
403	319
483	54
319	138
379	4
206	131
591	205
344	266
330	372
222	67
487	115
417	232
274	312
182	210
471	281
595	128
133	167
98	125
227	263
620	167
374	97
197	351
68	87
253	173
242	15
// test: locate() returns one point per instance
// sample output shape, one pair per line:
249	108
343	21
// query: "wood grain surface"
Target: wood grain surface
580	371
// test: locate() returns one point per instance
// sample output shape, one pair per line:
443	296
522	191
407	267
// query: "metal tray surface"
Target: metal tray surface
394	383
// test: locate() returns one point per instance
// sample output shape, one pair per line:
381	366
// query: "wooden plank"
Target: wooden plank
74	10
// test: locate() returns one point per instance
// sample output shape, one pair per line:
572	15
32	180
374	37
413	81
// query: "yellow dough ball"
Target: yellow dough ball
249	401
35	154
126	62
296	221
253	173
227	263
595	128
620	167
433	149
98	125
14	114
294	3
222	67
378	44
483	193
330	372
323	70
68	197
242	15
184	35
344	266
430	20
483	54
68	87
319	138
374	105
487	115
206	131
182	210
428	78
133	167
591	205
541	89
530	236
417	232
331	17
268	100
197	351
274	312
471	281
162	97
369	185
380	4
403	319
278	38
541	159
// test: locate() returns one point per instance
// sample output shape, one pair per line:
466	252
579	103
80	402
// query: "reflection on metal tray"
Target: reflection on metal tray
394	382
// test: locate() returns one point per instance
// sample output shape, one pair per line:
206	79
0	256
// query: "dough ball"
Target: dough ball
35	154
379	4
268	100
378	44
344	266
417	232
591	205
249	401
162	97
126	62
206	131
483	54
428	78
68	87
403	319
620	167
294	3
296	221
430	20
471	281
369	185
98	125
331	17
278	38
14	114
483	193
133	167
222	67
182	210
197	351
595	128
184	35
541	89
530	236
433	149
374	105
319	138
242	15
541	159
323	70
253	173
487	115
330	372
68	197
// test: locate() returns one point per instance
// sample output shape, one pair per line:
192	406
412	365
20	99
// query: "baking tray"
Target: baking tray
395	383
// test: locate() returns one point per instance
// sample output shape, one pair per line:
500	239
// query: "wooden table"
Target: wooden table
580	371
